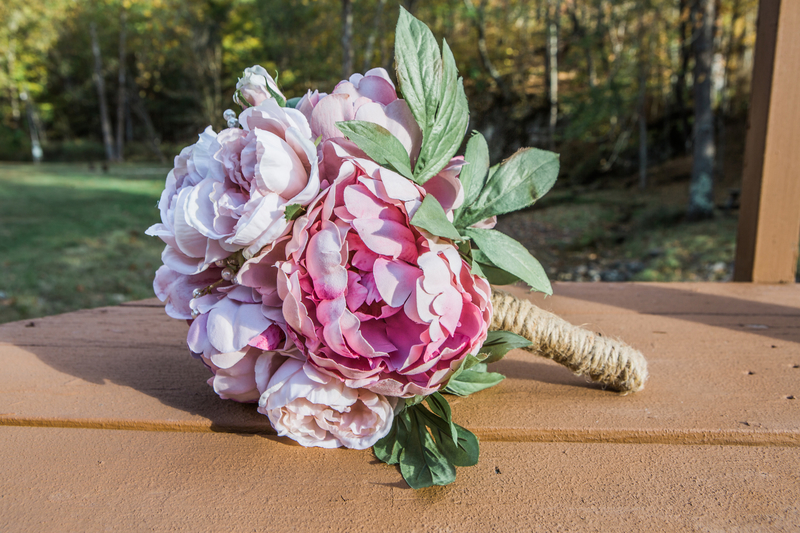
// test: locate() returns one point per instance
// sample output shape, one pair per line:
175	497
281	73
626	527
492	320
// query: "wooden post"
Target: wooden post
769	220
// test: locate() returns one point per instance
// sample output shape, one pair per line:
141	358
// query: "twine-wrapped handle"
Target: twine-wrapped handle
604	360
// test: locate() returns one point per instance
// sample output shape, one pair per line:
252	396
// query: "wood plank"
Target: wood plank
769	223
722	359
93	480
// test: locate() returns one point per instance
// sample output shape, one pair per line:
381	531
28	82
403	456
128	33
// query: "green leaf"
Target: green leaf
518	183
431	217
499	343
492	171
472	381
431	87
461	451
388	449
510	256
496	276
379	144
419	68
469	361
293	211
476	270
441	408
275	94
414	400
292	102
427	446
473	174
443	138
421	462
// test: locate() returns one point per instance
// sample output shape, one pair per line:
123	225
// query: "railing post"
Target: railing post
769	219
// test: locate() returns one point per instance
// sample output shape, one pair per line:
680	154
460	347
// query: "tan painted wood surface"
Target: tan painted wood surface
769	223
106	423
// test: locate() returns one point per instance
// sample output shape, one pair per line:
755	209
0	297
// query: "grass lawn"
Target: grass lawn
73	238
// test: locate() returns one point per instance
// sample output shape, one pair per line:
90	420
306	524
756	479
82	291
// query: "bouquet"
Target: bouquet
333	256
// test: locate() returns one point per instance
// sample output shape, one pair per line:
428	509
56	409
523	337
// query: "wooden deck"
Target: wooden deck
107	424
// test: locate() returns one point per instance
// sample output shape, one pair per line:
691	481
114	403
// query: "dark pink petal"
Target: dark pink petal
368	281
356	293
374	332
269	339
407	337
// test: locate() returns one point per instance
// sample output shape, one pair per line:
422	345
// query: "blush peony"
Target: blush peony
316	409
229	191
371	98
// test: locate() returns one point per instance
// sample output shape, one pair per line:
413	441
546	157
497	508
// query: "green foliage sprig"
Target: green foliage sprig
426	443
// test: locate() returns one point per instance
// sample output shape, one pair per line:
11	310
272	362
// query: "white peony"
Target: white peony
254	84
315	409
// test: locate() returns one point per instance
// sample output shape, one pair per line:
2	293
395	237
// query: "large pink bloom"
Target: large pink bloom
368	297
371	98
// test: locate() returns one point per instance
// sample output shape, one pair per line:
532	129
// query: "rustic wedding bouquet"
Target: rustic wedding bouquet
334	258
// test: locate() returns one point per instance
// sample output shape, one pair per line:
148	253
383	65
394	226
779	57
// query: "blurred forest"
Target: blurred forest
609	84
645	100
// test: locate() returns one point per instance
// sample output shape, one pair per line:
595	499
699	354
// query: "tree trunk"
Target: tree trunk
36	146
13	88
477	16
140	109
679	89
723	109
108	137
376	27
643	67
579	25
347	38
121	96
701	189
552	54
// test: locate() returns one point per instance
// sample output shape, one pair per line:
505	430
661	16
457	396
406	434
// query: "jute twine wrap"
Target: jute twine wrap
604	360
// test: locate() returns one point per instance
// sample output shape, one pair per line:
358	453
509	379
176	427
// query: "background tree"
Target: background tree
615	86
701	191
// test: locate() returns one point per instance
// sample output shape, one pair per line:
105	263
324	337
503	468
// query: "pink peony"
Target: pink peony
371	98
316	409
229	191
371	299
